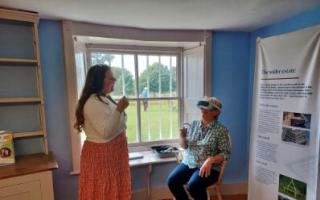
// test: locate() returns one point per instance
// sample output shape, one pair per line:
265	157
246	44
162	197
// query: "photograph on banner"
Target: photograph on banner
300	120
297	136
292	189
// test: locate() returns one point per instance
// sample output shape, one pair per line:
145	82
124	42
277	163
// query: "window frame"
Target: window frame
147	51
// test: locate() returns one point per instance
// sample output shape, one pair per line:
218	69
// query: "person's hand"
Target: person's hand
183	132
183	138
122	104
205	169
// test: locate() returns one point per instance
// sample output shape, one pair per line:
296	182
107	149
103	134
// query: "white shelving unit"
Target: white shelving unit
22	109
21	81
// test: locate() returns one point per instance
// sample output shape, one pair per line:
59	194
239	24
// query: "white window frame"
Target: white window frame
143	50
73	28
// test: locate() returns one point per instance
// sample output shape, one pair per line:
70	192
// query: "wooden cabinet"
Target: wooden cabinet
29	179
36	186
21	95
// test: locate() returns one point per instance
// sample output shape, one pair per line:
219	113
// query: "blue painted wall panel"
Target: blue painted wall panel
230	75
55	94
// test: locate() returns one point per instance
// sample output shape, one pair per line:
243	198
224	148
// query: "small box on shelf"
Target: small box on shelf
7	154
165	151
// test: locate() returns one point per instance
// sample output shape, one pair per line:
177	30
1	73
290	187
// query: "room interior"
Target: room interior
224	32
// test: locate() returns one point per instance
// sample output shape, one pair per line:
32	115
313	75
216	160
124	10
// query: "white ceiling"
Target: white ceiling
241	15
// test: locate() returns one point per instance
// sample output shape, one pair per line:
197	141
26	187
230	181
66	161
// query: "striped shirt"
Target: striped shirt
204	142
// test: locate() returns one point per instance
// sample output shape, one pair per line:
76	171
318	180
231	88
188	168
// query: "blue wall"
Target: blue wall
230	75
55	94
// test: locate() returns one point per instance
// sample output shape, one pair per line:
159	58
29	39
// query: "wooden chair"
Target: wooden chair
217	184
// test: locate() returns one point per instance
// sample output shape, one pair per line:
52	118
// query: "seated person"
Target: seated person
207	145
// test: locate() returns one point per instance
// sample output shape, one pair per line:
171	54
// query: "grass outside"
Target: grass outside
159	121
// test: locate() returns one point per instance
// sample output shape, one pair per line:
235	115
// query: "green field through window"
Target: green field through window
158	122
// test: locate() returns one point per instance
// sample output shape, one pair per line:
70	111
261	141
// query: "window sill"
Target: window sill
148	156
146	146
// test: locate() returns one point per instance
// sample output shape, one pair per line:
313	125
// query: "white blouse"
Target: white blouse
102	121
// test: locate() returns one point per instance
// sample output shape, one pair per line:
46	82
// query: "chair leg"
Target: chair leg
218	194
208	195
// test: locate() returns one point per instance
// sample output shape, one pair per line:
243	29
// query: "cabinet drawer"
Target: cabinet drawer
37	186
25	191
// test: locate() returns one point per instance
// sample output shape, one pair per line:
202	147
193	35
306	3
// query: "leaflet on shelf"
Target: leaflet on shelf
7	155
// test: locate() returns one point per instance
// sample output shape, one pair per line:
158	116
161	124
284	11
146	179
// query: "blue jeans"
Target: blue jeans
197	185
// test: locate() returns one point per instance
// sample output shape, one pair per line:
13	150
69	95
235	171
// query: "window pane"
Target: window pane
132	122
173	76
144	78
153	60
101	58
123	70
157	76
159	120
125	75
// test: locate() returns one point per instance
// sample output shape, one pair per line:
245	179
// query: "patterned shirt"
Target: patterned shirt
204	142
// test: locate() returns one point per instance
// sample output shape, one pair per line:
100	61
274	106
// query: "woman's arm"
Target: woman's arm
224	145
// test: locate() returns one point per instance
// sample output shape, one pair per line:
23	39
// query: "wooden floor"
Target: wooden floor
228	197
233	197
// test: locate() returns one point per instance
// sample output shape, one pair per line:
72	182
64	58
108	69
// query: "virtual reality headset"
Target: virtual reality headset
210	104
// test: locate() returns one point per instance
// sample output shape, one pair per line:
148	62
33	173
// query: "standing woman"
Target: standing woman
104	165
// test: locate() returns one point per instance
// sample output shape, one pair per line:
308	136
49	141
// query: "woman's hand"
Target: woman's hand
183	138
183	132
122	104
205	169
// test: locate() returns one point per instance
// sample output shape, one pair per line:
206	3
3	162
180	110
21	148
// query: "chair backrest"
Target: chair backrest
223	167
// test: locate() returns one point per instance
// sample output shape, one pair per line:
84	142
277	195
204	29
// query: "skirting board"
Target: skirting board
164	193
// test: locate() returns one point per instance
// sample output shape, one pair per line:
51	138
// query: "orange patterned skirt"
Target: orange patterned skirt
105	171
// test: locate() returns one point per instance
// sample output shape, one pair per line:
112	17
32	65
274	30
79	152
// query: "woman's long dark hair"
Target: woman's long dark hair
93	85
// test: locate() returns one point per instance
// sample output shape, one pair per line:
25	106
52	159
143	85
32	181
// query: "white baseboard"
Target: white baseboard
164	193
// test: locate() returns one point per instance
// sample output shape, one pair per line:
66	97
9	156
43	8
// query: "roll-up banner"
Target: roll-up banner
285	134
